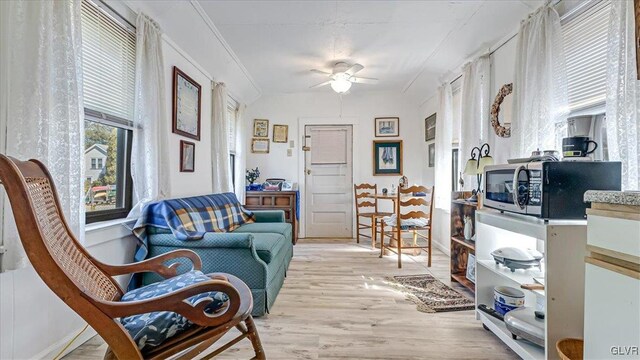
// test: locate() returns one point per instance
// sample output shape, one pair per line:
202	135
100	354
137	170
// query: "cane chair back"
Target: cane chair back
87	286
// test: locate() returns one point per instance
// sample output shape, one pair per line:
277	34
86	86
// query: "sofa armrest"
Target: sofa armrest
268	216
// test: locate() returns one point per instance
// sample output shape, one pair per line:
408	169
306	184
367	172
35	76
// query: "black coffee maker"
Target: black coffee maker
577	146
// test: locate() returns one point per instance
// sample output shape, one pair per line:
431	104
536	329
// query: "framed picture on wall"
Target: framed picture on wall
280	133
387	157
260	146
261	128
432	154
187	156
187	94
387	126
430	128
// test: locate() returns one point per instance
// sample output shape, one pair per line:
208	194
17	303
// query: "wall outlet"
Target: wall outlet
289	152
292	144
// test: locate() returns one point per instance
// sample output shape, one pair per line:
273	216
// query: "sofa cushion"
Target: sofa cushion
283	229
269	245
152	329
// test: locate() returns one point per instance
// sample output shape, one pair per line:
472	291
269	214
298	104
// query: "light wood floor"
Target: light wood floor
334	305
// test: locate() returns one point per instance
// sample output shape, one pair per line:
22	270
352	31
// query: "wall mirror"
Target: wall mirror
501	111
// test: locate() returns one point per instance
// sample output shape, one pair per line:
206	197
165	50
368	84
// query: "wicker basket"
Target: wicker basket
570	349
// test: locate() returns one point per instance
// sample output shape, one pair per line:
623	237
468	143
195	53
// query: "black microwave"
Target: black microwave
548	189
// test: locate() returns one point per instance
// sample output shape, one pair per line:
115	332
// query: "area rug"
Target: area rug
430	294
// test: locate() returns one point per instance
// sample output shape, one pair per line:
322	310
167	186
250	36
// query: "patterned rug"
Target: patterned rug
430	294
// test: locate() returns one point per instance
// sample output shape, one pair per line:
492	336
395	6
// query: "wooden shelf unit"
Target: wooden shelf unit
460	247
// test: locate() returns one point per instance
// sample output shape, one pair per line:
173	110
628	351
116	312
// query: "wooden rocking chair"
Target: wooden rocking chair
86	285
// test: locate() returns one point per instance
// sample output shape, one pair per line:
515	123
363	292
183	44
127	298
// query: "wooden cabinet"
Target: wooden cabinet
461	248
276	200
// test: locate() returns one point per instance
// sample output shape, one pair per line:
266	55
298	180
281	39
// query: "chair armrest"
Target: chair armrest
176	302
156	264
268	216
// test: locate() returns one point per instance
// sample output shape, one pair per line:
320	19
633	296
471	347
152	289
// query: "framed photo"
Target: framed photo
387	157
430	128
186	105
260	146
280	133
471	268
387	126
432	154
260	128
187	156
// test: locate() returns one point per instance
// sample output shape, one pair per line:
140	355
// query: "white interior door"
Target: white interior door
329	181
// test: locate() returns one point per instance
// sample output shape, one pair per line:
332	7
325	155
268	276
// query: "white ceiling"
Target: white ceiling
408	45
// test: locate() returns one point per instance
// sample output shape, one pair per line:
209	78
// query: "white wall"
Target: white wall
287	109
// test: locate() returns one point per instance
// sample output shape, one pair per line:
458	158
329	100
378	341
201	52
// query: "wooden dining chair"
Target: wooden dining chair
87	286
413	215
367	208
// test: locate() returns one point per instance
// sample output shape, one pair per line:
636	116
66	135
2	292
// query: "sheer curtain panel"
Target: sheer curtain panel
540	104
623	94
149	153
221	172
444	134
475	100
241	156
44	113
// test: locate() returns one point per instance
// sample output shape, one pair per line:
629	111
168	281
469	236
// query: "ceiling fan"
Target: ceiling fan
342	76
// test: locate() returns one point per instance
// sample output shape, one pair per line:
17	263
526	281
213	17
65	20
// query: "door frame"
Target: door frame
355	166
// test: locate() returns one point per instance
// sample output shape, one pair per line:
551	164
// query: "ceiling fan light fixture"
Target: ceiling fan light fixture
340	85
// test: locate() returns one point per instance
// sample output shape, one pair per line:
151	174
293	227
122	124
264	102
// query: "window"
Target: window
232	106
108	55
585	41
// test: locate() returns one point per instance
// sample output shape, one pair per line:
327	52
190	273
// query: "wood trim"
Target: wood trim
177	72
612	267
612	255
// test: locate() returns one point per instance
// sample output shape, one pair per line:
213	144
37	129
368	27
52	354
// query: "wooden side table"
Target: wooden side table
276	200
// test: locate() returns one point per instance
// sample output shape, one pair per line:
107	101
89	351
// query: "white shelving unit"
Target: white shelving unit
563	246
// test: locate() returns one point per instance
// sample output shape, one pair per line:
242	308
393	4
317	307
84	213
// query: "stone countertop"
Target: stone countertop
613	197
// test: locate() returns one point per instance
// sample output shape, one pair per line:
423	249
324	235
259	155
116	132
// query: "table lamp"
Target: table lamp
475	166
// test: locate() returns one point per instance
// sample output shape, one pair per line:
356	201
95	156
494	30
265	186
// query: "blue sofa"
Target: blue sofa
258	252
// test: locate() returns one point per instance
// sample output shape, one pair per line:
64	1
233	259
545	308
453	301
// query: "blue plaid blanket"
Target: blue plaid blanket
190	218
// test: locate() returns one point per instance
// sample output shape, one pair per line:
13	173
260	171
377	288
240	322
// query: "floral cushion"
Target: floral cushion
405	224
152	329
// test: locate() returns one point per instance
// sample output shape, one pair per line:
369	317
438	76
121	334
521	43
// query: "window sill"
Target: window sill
109	223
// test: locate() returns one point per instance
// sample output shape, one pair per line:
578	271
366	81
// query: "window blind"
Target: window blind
108	60
585	42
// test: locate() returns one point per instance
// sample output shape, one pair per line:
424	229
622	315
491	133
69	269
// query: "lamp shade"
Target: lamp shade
471	168
484	161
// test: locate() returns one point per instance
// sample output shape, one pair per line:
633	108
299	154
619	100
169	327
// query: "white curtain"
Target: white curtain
540	104
241	156
221	175
475	103
444	134
623	94
149	154
44	114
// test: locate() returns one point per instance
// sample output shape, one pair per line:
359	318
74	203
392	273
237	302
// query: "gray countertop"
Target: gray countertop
613	197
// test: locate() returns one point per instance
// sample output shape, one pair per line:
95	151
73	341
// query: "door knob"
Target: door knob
308	171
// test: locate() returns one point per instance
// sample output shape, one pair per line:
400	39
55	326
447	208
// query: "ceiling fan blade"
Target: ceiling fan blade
321	84
354	69
363	80
321	72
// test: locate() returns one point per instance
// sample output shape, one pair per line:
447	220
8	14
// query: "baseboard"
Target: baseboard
53	350
442	247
